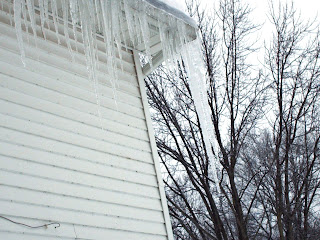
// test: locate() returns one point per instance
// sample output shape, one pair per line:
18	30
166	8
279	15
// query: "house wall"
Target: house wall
61	162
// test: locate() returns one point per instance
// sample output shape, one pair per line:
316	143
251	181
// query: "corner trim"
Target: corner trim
153	144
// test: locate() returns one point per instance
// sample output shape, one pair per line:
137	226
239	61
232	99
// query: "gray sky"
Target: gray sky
260	8
309	9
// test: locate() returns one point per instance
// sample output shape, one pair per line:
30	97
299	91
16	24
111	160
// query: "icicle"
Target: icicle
17	6
31	12
65	12
25	19
145	31
163	32
137	26
122	25
55	18
11	13
46	12
43	18
93	35
87	12
74	20
109	43
114	12
97	9
197	74
130	22
116	28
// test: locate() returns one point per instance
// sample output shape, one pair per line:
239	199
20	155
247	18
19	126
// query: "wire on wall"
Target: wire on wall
56	224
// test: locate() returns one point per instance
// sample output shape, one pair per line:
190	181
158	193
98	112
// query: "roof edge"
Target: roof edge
173	11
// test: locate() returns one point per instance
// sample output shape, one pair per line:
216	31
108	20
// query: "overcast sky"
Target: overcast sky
310	9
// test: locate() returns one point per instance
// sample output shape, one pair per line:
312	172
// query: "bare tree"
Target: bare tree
287	152
235	99
293	64
269	176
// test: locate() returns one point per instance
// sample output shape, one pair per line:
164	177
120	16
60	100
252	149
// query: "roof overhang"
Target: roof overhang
157	12
164	24
173	11
156	44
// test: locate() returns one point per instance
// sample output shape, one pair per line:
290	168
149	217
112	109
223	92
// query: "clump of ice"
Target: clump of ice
123	24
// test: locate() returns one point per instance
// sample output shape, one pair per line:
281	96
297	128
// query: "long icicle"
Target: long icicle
17	6
198	86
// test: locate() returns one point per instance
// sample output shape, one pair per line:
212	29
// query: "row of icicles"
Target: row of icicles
121	24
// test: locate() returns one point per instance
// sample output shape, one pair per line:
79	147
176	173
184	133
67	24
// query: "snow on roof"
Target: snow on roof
173	7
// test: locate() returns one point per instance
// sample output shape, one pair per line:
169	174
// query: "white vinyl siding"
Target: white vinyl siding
59	161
